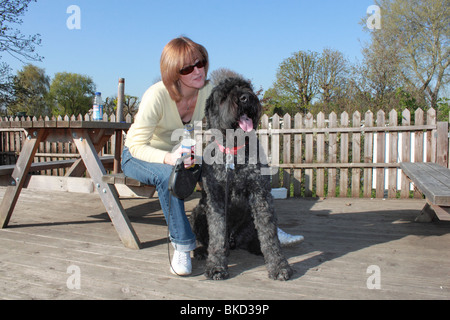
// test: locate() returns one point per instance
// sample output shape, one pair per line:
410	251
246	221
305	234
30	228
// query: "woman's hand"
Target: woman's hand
172	157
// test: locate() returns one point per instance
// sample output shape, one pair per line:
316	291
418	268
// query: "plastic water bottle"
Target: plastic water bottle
188	141
98	107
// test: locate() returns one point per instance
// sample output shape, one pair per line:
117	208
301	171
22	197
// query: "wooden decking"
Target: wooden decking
51	235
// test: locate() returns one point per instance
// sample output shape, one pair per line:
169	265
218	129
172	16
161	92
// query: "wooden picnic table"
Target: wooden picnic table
433	180
89	138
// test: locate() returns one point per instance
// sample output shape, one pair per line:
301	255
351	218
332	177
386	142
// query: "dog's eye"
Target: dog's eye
244	98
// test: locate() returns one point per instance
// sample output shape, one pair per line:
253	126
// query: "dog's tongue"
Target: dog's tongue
246	123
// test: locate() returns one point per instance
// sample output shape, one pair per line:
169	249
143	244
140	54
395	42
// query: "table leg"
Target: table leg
78	168
117	151
19	174
426	215
108	193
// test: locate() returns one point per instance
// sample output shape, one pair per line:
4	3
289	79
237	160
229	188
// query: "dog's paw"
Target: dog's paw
282	273
216	273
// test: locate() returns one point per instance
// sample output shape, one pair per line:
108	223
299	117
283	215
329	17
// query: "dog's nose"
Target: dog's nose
244	98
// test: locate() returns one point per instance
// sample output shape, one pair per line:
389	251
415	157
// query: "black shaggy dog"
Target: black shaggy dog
236	209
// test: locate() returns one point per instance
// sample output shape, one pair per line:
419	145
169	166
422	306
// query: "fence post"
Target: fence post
298	124
117	145
120	100
381	157
343	177
309	155
431	136
418	144
368	154
393	155
332	155
442	143
287	154
275	152
406	152
320	149
356	154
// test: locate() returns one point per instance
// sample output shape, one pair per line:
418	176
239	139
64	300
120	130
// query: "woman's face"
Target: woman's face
196	78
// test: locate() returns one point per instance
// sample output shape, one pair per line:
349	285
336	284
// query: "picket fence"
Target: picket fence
313	157
329	158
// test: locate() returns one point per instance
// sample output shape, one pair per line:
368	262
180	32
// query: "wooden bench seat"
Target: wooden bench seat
120	178
128	187
7	170
433	181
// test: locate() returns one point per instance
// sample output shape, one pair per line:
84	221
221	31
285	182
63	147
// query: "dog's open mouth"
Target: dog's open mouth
246	123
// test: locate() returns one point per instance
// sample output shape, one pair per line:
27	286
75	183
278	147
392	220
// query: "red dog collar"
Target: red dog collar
232	151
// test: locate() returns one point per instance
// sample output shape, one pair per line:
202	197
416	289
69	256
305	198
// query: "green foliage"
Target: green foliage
296	79
130	105
404	66
443	109
275	103
15	44
71	94
31	87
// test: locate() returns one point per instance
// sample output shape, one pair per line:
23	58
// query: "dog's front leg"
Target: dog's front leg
266	227
217	263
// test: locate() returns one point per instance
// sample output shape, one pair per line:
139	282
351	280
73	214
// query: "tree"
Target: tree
332	71
378	76
274	102
130	105
13	42
418	31
6	87
296	78
31	87
71	94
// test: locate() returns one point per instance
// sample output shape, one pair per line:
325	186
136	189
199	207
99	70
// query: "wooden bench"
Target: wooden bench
7	170
57	183
433	181
137	188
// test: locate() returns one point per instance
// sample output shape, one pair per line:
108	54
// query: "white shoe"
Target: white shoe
287	239
181	263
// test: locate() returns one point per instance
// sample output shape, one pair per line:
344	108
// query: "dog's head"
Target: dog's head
232	105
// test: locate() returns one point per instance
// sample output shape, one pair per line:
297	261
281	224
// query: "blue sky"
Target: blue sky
125	38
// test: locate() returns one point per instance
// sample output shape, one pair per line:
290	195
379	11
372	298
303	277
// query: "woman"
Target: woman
149	153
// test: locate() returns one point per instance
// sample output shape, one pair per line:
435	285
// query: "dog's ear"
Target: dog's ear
258	115
213	107
227	112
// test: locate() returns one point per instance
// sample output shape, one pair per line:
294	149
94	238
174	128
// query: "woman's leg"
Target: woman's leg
157	174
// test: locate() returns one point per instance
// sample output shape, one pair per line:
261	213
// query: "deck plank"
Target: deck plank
343	237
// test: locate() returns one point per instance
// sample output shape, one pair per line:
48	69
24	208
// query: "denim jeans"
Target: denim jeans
157	174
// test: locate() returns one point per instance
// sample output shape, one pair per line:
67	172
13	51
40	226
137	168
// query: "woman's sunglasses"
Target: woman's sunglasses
187	70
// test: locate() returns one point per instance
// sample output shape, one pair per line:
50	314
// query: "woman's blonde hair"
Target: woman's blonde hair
178	53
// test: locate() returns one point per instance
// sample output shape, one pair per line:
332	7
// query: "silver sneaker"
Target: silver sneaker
287	239
181	263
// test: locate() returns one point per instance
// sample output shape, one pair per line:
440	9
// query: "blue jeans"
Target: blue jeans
157	174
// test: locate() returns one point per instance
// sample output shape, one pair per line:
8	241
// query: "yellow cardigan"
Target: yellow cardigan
149	137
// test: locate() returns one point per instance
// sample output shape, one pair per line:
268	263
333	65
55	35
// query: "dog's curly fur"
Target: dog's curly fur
249	221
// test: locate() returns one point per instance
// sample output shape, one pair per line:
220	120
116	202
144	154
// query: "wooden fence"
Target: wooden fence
11	141
323	157
358	158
